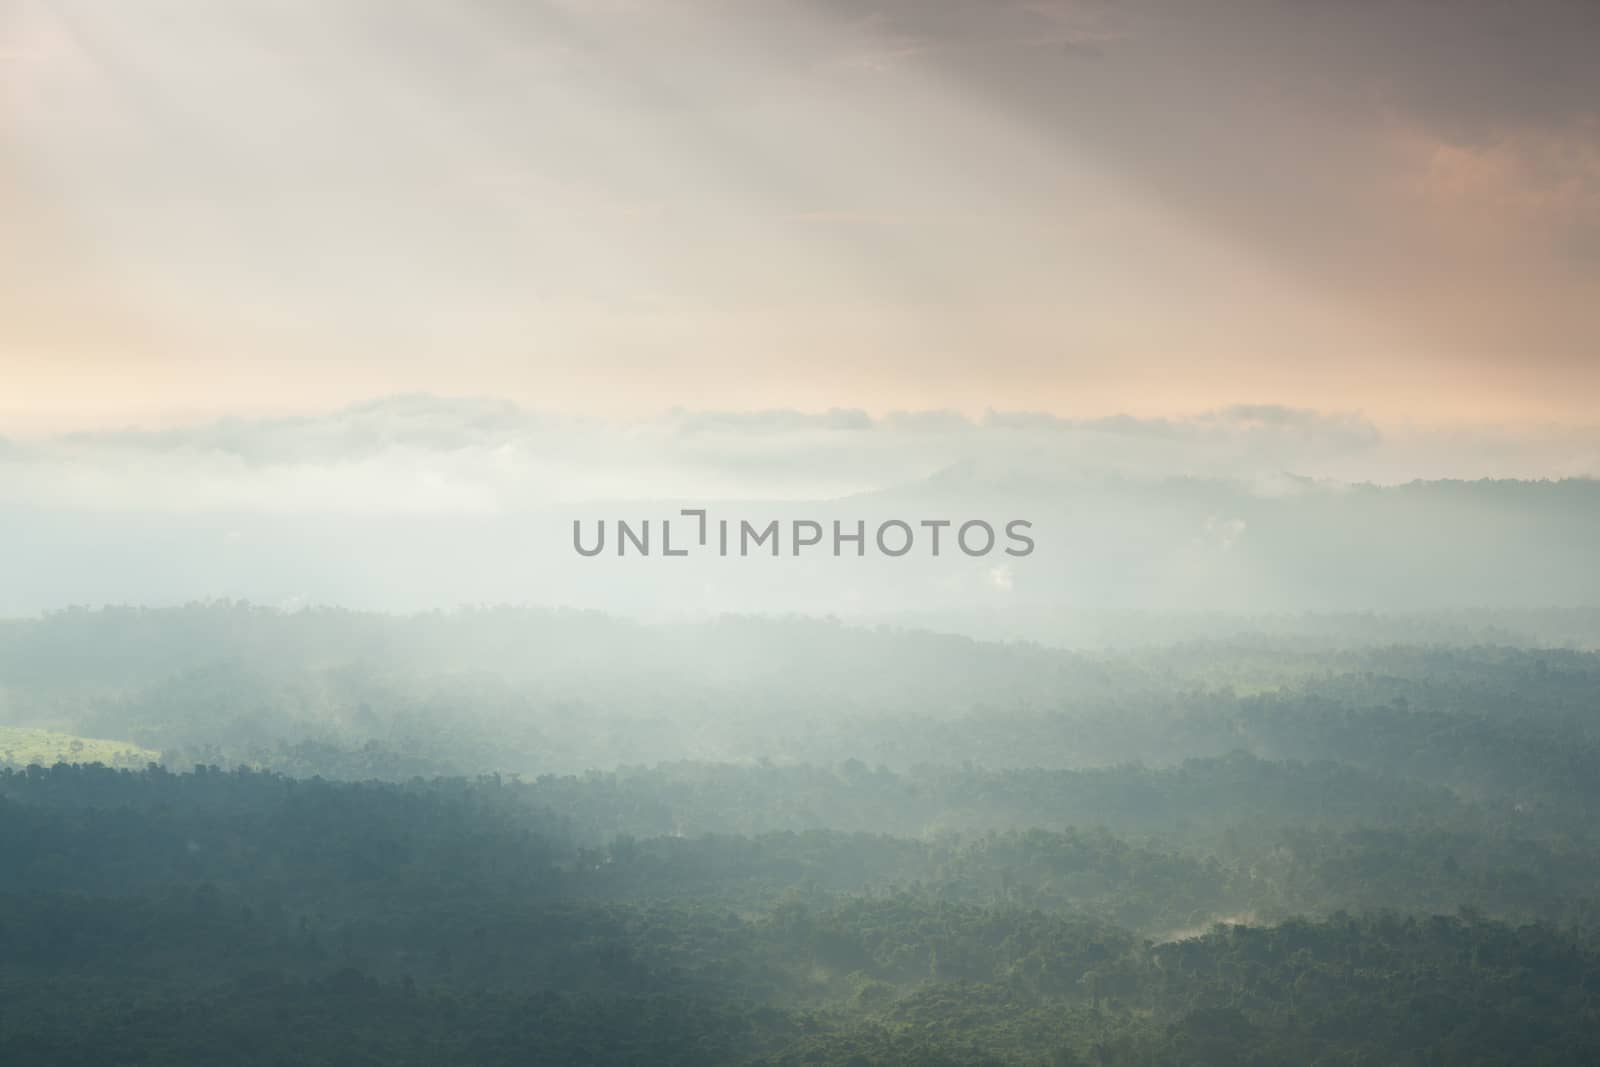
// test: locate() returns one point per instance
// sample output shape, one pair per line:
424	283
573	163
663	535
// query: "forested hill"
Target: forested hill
234	835
346	694
249	918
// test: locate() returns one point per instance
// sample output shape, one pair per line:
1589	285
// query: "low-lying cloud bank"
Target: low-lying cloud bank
433	455
415	503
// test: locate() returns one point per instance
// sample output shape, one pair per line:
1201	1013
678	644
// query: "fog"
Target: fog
421	503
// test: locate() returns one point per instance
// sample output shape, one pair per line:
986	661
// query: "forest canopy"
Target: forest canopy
506	835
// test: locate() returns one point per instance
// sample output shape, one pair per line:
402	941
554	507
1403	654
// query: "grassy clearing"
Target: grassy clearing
20	746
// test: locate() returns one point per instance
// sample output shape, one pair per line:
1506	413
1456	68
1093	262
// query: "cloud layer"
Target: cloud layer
429	455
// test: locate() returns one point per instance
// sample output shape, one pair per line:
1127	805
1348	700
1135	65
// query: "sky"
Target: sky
1375	214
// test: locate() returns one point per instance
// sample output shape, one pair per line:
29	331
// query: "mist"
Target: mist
420	503
799	533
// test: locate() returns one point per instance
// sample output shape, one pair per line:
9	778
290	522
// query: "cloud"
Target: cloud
1540	179
771	421
1223	534
1269	428
421	454
420	422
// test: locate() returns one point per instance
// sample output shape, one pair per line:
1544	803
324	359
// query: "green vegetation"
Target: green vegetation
366	844
20	746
